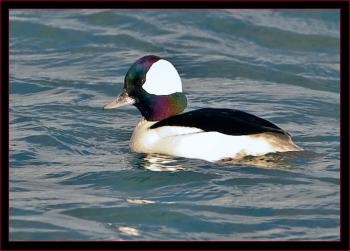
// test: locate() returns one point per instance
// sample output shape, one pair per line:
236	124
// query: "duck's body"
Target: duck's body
209	134
173	137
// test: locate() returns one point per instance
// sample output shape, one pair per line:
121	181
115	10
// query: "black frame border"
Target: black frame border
343	244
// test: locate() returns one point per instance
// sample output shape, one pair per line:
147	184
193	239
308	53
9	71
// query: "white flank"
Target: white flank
162	79
195	143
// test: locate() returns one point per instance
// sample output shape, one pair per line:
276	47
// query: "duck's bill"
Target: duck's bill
122	100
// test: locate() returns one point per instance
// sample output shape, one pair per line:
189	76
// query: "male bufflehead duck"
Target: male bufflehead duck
154	86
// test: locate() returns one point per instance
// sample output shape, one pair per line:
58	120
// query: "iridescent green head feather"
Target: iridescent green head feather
154	86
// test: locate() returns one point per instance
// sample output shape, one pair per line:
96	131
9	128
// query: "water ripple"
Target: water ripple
72	174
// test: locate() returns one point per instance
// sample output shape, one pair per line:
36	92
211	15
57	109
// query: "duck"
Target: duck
154	86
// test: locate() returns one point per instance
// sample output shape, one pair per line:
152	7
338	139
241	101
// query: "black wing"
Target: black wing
227	121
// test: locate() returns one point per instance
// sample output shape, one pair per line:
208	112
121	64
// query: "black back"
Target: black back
226	121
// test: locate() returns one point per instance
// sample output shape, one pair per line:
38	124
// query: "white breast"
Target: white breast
198	144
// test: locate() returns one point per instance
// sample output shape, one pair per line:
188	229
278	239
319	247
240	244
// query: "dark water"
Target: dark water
72	175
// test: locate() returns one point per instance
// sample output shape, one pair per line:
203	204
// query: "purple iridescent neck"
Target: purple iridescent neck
159	107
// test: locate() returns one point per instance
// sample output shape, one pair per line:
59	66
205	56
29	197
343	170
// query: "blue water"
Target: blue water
72	175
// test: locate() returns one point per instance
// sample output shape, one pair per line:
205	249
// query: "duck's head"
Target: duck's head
154	86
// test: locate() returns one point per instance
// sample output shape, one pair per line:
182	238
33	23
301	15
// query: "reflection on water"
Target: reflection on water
266	161
140	201
129	231
284	160
159	162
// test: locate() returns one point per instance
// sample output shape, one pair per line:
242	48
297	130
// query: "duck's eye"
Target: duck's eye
140	81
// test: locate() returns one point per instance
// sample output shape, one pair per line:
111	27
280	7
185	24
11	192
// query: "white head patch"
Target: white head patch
162	79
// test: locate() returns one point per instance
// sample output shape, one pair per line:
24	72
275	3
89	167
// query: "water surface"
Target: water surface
72	175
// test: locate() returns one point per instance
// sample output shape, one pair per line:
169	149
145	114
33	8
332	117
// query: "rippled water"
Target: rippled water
72	175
